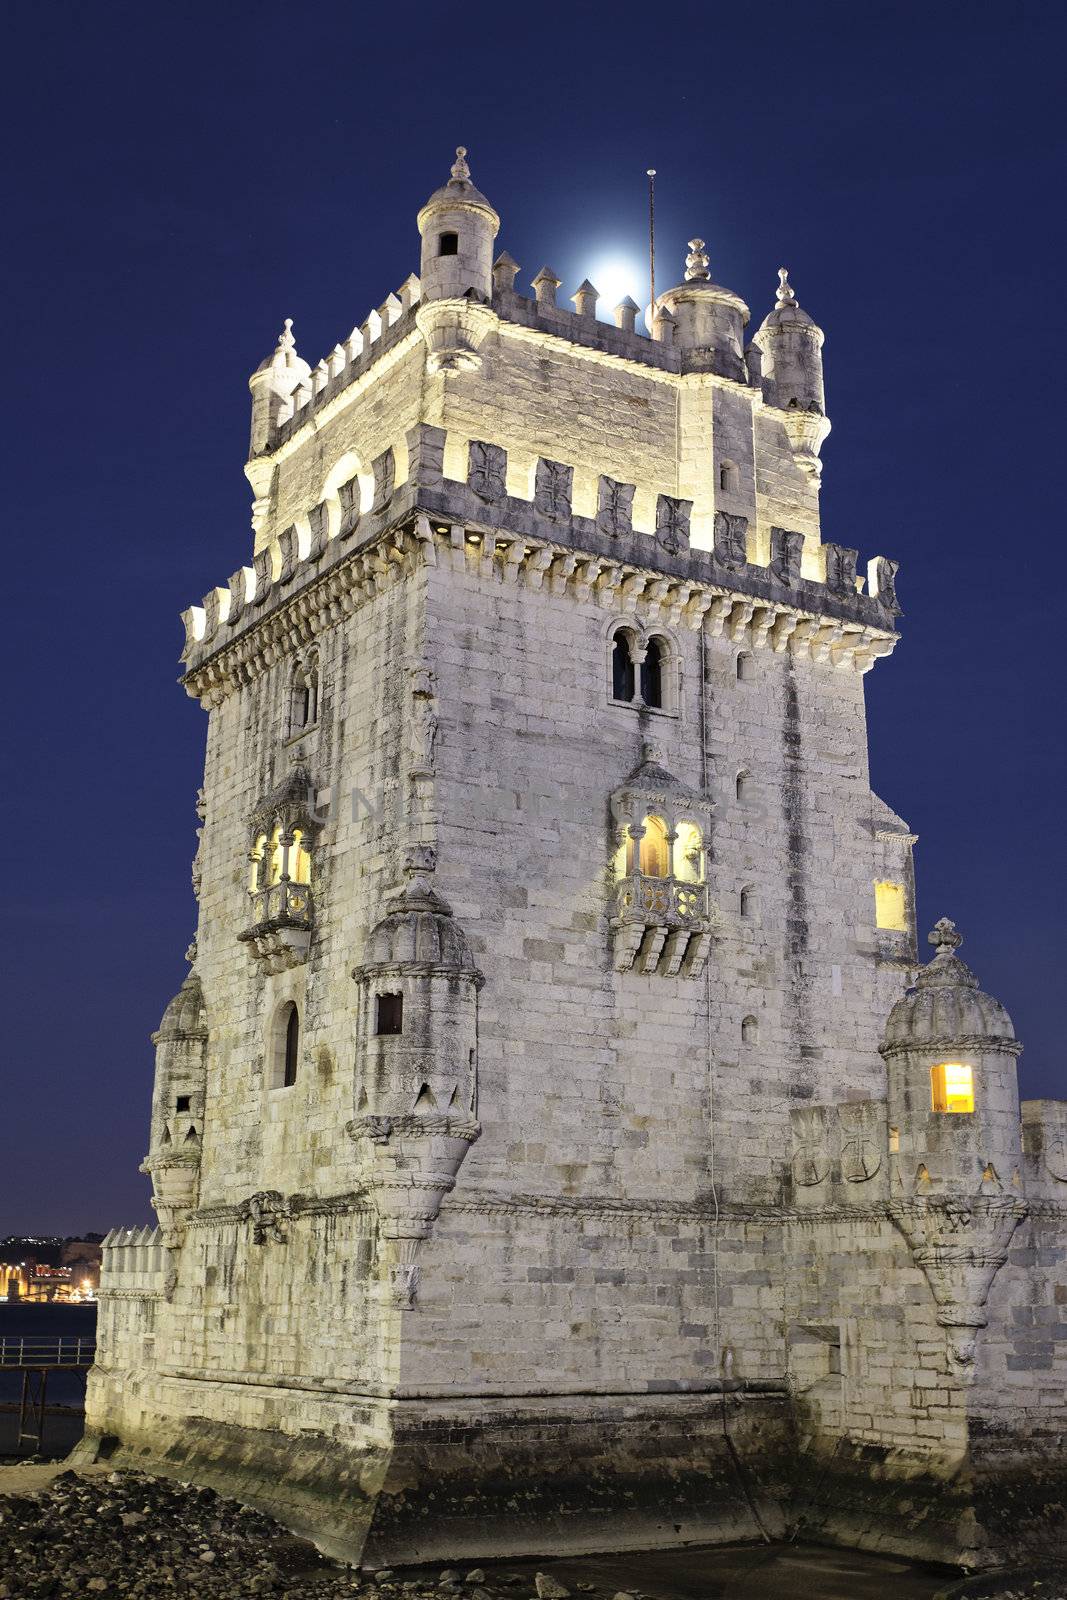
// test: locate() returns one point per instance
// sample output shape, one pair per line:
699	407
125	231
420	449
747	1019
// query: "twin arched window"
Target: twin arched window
656	854
279	855
640	670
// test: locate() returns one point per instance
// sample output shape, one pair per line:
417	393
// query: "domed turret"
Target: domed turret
791	346
173	1160
950	1051
710	320
417	1066
458	227
184	1017
272	383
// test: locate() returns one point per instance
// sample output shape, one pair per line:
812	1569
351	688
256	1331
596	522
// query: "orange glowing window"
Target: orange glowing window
951	1087
654	854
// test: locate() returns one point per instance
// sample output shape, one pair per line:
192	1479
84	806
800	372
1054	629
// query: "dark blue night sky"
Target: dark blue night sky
182	177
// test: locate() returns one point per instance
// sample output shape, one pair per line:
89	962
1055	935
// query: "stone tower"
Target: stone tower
534	1167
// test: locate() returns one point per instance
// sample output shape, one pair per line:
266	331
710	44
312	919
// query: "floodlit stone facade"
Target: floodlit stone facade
548	1149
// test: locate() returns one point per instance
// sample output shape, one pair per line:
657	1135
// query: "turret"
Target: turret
953	1092
709	320
417	1066
954	1137
272	383
458	227
790	365
173	1159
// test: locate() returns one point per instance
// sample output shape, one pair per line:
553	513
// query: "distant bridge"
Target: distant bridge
35	1359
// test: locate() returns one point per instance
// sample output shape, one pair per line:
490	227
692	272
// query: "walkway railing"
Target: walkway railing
41	1353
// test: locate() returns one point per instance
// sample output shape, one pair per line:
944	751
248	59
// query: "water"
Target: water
66	1390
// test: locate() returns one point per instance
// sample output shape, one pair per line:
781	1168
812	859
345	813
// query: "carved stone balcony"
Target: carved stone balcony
661	925
279	934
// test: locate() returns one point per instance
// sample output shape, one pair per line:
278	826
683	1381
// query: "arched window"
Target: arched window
748	903
743	787
654	852
728	477
749	1031
258	851
623	686
448	244
652	673
274	871
285	1047
299	860
688	854
746	667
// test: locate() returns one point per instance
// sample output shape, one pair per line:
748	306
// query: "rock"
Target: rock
623	1594
481	1594
382	1575
586	1588
449	1575
131	1519
475	1575
550	1588
207	1557
97	1585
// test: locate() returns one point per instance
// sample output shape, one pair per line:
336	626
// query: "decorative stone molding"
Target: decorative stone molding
268	1212
960	1246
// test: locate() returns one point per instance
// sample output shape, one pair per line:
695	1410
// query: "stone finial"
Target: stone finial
697	265
626	314
504	270
545	285
460	171
944	936
286	341
585	298
786	295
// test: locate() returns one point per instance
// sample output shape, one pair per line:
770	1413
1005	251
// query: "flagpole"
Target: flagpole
651	175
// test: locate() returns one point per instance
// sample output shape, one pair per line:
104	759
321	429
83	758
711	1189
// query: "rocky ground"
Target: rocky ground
128	1534
108	1534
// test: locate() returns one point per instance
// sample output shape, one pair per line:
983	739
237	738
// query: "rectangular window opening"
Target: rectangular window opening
182	1102
389	1014
890	907
952	1087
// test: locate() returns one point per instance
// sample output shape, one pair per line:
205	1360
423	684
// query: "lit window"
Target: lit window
299	859
256	858
389	1013
689	854
952	1087
894	1141
653	854
275	870
890	907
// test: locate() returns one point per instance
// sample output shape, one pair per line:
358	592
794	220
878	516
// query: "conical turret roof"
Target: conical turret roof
459	190
947	1007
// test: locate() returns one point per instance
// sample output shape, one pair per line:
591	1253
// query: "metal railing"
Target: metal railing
39	1353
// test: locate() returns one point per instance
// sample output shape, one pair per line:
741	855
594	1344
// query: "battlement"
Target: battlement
361	538
133	1262
388	326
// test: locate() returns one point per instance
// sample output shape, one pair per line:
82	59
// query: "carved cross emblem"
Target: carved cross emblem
487	470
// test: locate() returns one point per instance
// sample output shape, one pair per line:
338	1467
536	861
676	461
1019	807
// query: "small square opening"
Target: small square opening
952	1087
183	1102
448	244
389	1013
